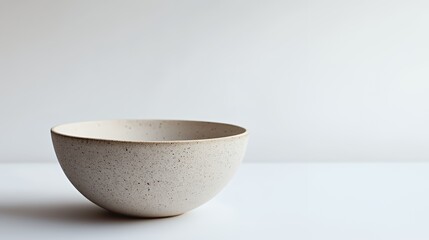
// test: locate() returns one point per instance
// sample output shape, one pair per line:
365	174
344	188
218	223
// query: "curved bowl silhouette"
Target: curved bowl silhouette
149	168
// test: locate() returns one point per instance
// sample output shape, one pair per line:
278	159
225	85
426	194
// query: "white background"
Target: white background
316	80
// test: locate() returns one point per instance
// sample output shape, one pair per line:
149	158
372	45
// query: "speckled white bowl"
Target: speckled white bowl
149	168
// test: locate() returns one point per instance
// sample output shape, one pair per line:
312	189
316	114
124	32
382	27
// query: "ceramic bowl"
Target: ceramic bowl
149	168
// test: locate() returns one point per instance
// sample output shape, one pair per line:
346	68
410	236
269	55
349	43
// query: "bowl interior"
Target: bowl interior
148	130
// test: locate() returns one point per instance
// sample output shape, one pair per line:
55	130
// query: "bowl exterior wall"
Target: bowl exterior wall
149	179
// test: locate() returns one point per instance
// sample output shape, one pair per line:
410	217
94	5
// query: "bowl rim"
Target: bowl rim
245	132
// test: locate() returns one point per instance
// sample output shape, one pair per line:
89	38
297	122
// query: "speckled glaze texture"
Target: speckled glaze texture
149	168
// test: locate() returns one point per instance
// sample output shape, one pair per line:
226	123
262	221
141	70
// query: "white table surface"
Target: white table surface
264	201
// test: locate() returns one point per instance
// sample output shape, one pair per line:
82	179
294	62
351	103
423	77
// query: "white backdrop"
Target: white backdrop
315	80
